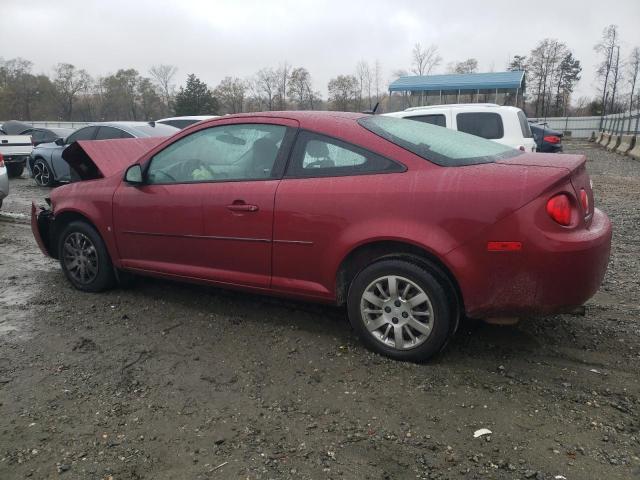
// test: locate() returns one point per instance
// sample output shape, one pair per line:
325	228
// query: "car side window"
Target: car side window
226	152
108	133
86	133
481	124
316	155
435	119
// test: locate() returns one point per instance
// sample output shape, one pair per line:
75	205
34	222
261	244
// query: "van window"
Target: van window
481	124
435	119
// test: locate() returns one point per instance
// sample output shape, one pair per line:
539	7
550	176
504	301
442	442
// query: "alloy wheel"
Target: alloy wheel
41	173
397	312
80	258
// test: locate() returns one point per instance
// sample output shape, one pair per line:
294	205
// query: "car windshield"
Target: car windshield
442	146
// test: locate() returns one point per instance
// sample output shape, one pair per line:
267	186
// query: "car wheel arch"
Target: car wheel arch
365	254
63	219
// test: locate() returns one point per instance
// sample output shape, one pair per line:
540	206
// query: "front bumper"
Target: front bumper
41	226
16	159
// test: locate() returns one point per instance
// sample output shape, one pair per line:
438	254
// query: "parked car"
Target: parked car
14	147
47	135
547	139
504	125
4	180
183	122
341	208
47	166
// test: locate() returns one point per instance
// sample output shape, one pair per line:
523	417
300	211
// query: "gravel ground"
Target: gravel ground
167	381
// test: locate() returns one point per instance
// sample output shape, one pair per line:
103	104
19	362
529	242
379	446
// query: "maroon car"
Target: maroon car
410	225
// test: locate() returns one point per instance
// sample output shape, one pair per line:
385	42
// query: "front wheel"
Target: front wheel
42	173
84	258
400	309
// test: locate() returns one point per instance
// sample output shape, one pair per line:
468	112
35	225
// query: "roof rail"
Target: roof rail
453	105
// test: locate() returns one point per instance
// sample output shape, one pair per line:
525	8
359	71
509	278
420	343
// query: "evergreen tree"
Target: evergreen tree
195	99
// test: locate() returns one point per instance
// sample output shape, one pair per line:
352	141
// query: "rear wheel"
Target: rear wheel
14	169
400	309
84	258
42	173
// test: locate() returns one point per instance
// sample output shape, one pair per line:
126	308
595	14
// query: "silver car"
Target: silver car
4	181
47	166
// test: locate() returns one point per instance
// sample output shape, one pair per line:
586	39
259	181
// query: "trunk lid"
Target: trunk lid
91	159
576	168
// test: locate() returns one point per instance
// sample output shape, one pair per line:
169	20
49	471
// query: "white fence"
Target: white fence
55	124
581	127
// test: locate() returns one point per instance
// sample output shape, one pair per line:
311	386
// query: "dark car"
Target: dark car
341	208
547	139
46	135
47	165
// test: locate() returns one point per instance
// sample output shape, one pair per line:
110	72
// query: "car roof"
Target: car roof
189	117
462	106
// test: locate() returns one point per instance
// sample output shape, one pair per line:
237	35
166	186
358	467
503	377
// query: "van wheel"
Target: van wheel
400	310
84	258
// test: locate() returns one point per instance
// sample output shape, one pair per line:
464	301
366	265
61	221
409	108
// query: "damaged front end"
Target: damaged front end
42	227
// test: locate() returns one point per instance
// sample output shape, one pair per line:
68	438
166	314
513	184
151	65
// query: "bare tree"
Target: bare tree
469	65
231	92
606	47
69	82
363	74
267	83
343	92
615	77
300	88
425	59
633	67
377	78
283	73
163	76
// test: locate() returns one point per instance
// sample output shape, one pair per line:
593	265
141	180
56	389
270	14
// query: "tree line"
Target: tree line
71	93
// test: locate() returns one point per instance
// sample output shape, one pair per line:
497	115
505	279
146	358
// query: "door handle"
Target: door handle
242	207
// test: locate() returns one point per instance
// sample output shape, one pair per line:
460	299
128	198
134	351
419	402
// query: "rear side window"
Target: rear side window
442	146
316	155
524	125
438	119
86	133
481	124
108	133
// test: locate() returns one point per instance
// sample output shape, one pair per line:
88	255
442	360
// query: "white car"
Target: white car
505	125
184	122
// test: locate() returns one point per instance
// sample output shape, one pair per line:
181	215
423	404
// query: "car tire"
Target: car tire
14	170
411	321
84	258
42	174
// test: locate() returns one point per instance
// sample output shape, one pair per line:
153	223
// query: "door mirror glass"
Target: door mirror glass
60	141
134	175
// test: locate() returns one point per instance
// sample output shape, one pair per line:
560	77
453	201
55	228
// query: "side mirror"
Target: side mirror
59	141
133	175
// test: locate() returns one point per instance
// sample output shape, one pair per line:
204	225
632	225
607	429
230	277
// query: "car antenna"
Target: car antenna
373	111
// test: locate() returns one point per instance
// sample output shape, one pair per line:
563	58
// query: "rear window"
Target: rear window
158	130
524	125
437	119
442	146
481	124
179	123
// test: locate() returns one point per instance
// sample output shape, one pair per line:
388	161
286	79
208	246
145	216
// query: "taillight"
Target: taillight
559	208
584	199
552	139
1	160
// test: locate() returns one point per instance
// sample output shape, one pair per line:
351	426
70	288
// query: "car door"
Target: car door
60	166
205	210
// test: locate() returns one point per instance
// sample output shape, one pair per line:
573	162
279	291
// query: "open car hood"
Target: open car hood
91	159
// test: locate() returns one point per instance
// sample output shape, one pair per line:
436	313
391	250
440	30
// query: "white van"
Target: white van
505	125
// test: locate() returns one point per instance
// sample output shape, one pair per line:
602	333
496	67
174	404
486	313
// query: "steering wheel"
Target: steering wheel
170	177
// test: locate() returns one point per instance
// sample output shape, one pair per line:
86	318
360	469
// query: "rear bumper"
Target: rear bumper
16	159
41	221
553	273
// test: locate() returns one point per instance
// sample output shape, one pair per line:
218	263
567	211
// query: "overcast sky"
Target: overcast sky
214	39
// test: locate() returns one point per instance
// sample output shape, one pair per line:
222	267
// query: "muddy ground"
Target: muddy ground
173	381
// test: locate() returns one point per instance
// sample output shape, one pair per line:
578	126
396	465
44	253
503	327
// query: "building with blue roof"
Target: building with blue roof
466	87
